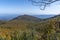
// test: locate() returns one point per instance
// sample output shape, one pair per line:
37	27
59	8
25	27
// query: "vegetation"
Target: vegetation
27	30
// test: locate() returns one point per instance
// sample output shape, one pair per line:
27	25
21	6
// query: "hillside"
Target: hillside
26	27
27	18
56	17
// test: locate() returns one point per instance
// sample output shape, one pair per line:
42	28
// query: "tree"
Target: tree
43	3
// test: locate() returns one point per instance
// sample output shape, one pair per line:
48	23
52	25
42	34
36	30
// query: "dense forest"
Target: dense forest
28	27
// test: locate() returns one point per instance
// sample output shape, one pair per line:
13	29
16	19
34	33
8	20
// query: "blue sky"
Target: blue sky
25	7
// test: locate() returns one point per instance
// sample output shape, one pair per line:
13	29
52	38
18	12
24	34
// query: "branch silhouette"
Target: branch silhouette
42	3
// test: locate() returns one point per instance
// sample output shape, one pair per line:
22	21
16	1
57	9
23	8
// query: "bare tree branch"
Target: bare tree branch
42	3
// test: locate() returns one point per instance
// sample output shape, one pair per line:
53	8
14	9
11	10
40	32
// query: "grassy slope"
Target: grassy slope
39	29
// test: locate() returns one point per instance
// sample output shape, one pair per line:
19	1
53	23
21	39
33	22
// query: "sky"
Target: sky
25	7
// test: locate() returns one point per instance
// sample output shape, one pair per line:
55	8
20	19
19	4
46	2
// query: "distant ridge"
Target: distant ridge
33	18
55	18
27	18
11	16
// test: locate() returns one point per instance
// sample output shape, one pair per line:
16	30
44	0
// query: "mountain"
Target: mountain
11	16
26	27
44	16
21	22
27	18
54	18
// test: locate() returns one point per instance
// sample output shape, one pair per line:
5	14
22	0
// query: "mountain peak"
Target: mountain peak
27	18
